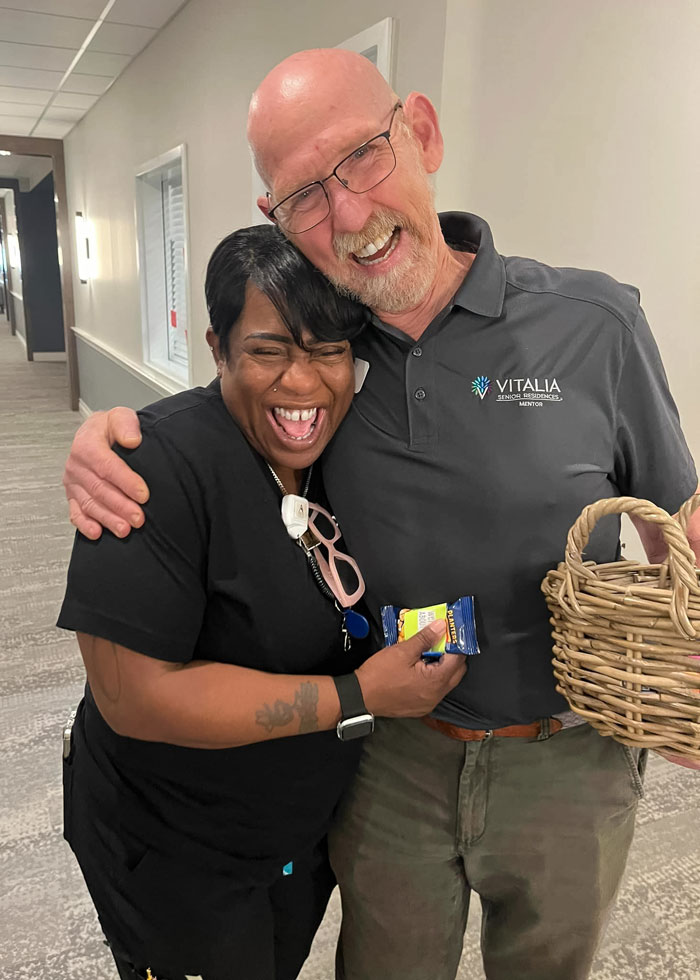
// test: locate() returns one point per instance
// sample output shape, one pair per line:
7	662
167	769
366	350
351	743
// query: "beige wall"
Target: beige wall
573	129
192	85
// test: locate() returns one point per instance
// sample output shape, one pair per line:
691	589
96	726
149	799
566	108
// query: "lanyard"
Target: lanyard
301	527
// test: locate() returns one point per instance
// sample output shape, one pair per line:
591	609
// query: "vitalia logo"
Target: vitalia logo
527	392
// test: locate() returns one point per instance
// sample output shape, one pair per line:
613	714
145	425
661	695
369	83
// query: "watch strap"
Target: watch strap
350	696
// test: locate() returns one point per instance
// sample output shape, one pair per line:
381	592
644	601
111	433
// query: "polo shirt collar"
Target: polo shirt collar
483	288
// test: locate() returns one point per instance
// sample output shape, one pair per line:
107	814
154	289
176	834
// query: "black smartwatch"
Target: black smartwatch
355	720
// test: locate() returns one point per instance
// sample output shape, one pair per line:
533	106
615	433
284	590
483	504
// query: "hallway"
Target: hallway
48	930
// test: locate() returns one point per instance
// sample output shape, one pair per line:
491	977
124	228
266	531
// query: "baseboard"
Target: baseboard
50	355
83	409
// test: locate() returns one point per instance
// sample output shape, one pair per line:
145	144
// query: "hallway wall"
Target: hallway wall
573	129
192	85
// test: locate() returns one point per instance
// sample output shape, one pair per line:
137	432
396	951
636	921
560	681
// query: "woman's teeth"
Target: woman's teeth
294	415
297	423
364	255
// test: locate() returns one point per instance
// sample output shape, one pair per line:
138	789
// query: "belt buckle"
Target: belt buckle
488	734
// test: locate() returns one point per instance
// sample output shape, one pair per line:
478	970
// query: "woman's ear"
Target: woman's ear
422	119
213	342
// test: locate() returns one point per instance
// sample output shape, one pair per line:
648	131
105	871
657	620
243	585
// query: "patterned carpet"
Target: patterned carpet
48	930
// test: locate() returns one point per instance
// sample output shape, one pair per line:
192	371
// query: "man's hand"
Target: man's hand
396	683
102	490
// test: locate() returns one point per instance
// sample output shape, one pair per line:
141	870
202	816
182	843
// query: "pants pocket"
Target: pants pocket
636	760
68	797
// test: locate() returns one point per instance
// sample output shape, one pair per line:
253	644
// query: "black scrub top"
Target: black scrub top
212	575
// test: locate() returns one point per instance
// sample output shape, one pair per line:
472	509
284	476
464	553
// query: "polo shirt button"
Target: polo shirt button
419	393
417	351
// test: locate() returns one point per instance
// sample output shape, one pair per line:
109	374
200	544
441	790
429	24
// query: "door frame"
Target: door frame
38	147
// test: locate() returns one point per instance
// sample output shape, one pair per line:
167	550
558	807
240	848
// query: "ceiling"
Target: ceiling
57	57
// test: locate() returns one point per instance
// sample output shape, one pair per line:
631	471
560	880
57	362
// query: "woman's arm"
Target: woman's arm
208	705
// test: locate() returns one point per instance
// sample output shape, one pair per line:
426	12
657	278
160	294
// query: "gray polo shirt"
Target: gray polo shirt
467	456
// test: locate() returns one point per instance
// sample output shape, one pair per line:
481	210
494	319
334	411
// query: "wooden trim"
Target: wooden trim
38	147
31	146
66	263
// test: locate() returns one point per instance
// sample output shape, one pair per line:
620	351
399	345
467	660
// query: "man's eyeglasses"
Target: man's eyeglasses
358	172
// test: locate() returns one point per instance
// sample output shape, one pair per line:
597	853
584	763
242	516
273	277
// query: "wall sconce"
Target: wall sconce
85	245
13	252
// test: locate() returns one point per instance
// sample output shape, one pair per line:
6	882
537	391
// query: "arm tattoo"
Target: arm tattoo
277	716
282	712
306	703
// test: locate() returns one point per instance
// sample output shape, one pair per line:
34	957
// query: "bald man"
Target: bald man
502	396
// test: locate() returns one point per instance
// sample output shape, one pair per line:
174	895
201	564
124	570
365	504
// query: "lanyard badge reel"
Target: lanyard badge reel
300	519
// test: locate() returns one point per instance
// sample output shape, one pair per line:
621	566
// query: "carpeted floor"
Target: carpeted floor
48	930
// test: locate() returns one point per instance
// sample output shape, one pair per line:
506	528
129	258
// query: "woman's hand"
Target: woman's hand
102	490
396	683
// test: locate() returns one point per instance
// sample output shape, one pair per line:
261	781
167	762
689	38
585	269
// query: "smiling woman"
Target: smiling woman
210	629
283	356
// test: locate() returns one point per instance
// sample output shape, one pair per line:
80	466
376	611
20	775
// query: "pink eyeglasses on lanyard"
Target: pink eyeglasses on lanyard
328	567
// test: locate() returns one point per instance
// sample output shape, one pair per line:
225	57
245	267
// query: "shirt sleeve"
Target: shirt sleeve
146	592
652	459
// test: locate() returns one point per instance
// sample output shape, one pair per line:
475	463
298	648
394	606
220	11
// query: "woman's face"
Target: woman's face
287	401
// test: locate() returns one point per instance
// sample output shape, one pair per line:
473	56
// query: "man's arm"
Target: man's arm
102	490
208	705
655	547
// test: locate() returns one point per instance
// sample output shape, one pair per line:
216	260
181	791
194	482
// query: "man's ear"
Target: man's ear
263	203
421	116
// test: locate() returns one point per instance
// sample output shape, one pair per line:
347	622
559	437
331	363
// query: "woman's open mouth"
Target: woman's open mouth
296	425
379	250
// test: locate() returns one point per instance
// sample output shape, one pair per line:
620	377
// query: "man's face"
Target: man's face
381	246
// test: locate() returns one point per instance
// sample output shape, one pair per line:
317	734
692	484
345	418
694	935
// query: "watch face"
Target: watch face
356	727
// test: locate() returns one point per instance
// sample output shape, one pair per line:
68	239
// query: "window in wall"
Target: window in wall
162	231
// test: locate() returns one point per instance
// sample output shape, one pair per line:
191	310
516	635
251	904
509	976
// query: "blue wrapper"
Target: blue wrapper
401	623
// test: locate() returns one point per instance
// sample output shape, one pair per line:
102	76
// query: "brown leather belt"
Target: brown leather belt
545	727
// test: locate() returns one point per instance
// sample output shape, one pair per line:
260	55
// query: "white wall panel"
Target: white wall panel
192	85
573	129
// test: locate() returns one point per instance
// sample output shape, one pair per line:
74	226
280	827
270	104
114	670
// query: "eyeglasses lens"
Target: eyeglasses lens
323	527
368	166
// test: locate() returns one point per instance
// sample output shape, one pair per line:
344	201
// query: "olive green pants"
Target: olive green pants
538	828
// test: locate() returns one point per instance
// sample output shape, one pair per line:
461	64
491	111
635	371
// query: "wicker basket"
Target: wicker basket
627	635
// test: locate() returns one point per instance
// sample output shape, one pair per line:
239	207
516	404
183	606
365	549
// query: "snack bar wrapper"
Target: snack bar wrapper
460	637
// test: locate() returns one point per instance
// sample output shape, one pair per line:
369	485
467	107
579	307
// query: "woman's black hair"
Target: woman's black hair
303	297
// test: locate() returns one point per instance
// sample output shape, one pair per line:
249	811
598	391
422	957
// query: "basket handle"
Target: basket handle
680	561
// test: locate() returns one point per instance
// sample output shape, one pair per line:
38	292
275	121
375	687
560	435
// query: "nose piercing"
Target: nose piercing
274	389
